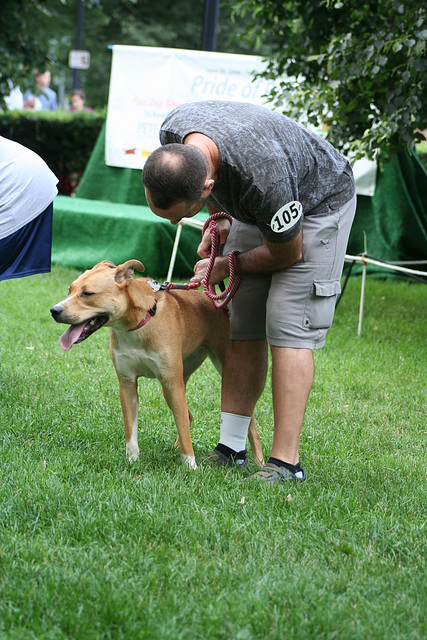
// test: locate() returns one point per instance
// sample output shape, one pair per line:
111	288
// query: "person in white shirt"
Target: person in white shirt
27	190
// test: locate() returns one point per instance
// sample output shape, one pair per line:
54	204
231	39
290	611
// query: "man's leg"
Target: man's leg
244	375
300	309
246	361
293	373
243	380
292	376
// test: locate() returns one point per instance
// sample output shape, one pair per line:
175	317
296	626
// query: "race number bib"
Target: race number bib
286	217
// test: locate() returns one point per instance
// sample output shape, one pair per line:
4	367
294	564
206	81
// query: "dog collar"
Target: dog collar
150	313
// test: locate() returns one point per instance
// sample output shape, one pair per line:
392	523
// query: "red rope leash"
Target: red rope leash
174	285
222	299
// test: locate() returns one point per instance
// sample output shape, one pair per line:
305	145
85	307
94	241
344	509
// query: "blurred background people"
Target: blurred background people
42	97
15	98
77	99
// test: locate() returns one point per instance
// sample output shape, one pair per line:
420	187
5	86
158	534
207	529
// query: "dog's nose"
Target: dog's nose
56	311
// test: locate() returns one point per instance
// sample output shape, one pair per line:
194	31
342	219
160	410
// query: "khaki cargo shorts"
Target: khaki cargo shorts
293	307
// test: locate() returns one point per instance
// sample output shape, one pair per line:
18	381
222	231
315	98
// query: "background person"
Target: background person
27	190
77	99
293	199
42	93
15	99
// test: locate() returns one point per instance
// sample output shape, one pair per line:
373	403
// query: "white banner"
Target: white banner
148	82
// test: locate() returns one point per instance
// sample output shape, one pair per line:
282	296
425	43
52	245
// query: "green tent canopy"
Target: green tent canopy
394	220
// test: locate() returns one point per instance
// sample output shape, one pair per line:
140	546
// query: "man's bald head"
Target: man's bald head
175	173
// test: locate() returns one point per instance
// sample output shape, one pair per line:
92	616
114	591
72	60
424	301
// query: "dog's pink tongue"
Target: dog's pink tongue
71	335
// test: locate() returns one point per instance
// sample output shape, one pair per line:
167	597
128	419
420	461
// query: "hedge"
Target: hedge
64	140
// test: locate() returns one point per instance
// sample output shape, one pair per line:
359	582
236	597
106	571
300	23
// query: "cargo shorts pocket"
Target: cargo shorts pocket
320	307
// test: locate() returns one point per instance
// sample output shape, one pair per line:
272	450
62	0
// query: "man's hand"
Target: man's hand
219	270
223	229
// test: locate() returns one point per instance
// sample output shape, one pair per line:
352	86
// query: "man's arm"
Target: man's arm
271	256
268	257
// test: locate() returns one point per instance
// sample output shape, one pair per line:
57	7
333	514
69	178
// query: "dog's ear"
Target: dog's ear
106	263
124	272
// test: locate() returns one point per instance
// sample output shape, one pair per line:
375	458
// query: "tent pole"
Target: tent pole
362	300
174	251
362	292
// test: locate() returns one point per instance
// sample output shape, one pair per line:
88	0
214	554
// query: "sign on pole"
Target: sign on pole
79	59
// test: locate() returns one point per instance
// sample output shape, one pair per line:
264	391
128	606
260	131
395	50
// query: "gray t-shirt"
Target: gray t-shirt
272	171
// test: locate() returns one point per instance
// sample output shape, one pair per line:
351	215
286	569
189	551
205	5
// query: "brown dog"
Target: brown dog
156	334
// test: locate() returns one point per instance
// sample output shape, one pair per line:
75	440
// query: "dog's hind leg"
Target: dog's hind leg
216	361
255	442
128	389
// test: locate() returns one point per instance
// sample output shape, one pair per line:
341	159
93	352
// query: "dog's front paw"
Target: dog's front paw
132	451
189	461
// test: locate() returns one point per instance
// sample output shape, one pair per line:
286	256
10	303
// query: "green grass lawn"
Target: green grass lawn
92	548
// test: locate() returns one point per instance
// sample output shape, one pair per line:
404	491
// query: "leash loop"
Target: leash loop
222	299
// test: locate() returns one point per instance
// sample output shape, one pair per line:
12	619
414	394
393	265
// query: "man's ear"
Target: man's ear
124	272
209	185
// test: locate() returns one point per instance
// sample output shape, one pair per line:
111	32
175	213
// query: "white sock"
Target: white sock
234	430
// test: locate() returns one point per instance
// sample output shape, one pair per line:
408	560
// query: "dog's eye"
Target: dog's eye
86	294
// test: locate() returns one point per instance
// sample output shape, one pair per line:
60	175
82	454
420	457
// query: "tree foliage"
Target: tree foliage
20	47
33	32
358	66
